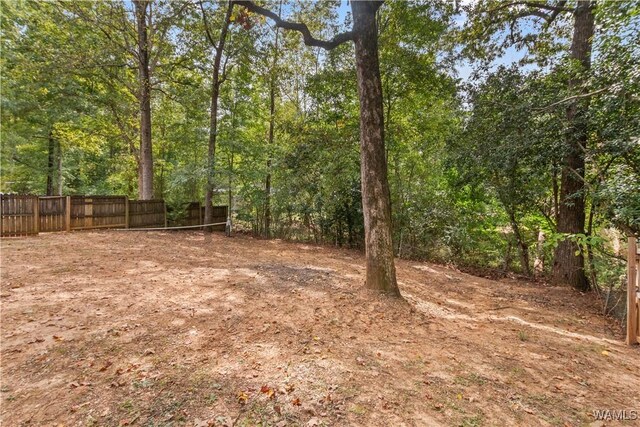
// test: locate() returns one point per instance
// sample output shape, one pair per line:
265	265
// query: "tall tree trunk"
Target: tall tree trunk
51	151
568	268
213	123
522	245
272	123
145	179
376	203
538	263
58	174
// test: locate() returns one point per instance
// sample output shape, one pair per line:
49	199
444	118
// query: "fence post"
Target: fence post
632	315
36	216
67	213
200	214
126	211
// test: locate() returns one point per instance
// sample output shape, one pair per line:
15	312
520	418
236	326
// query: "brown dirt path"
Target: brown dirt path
170	329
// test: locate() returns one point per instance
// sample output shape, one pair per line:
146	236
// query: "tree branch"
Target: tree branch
206	27
302	28
535	10
559	7
571	98
537	13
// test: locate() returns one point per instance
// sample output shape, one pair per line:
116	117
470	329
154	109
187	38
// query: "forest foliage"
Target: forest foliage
475	99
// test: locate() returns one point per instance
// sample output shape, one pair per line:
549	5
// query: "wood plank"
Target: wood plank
67	213
36	215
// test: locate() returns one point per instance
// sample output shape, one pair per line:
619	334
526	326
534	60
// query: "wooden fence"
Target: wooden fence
52	213
28	215
19	215
98	212
23	215
194	215
147	213
633	292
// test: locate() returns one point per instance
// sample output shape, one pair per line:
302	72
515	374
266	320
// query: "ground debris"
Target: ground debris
206	331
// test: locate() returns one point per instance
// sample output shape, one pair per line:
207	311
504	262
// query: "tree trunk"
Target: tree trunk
381	272
538	263
51	151
522	245
213	123
58	174
145	179
568	268
272	122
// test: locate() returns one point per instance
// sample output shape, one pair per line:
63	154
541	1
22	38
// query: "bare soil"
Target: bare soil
177	328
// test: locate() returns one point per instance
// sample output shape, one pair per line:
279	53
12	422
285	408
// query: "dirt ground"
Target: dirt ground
175	328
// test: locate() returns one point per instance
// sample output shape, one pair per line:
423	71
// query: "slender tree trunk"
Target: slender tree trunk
230	194
272	122
58	175
145	190
231	156
522	245
538	263
568	268
213	123
51	151
381	272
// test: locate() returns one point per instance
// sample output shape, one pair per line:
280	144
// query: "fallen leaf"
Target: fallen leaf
242	397
271	393
296	402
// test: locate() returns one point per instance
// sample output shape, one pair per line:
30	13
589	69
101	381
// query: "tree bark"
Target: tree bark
381	273
145	179
568	268
213	123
